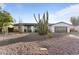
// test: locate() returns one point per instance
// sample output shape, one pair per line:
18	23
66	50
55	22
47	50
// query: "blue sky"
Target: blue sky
26	10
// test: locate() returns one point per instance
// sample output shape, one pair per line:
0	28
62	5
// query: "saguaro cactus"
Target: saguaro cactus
42	24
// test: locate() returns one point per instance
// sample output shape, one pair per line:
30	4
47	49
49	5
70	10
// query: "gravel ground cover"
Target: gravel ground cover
60	44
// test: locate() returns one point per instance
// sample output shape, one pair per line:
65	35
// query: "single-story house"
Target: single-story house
30	27
57	27
60	27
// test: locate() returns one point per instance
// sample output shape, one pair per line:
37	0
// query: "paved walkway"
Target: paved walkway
73	36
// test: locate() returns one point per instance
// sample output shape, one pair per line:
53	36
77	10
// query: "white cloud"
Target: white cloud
65	14
2	5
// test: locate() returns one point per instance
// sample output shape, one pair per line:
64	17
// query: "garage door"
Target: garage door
60	29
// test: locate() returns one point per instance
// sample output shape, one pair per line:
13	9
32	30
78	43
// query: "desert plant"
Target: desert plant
50	35
42	23
5	20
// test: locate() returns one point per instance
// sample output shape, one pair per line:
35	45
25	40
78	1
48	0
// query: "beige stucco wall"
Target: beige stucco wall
17	28
22	28
32	28
51	28
25	28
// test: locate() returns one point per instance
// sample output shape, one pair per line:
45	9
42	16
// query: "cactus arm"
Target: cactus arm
39	16
35	18
47	16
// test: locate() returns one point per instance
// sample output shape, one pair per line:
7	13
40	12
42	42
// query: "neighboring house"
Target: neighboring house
57	27
75	28
28	27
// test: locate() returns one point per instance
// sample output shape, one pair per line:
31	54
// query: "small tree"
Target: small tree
42	23
5	20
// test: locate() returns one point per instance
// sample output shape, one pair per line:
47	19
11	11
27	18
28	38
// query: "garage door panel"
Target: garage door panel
60	29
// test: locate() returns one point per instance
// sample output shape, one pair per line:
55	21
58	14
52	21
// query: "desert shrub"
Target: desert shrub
50	35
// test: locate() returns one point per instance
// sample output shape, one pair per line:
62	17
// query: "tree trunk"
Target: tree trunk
4	31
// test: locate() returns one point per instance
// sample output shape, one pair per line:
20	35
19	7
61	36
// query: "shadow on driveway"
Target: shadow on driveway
27	38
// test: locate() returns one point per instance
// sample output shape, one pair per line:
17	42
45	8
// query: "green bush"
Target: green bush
50	35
